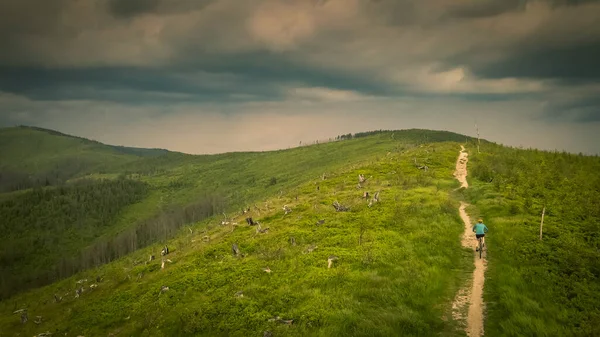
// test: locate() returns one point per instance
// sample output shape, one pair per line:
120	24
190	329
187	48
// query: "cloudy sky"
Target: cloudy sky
207	76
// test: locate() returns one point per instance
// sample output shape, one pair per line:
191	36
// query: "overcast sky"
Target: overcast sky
208	76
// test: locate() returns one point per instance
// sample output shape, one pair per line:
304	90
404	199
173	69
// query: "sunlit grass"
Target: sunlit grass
399	263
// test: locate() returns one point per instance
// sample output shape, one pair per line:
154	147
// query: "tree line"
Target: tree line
42	225
53	232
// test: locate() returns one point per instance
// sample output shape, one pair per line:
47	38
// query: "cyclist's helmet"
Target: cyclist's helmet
480	220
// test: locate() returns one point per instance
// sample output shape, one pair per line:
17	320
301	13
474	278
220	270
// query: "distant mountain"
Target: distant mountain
139	151
32	156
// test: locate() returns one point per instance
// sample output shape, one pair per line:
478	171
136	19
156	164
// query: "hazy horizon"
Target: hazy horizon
216	76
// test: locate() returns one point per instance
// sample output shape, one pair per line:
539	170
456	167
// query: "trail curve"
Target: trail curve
471	294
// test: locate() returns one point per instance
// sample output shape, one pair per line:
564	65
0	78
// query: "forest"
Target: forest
43	226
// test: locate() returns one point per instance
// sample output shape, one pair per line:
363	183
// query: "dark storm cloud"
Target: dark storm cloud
131	85
30	16
578	110
482	9
579	62
83	63
131	8
259	75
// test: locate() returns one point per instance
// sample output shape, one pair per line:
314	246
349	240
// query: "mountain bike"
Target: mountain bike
480	241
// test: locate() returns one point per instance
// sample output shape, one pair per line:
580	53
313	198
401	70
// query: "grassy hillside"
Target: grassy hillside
548	287
37	157
178	189
399	262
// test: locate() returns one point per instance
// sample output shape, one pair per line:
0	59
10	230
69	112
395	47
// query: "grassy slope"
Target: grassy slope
244	178
400	280
539	288
175	179
34	151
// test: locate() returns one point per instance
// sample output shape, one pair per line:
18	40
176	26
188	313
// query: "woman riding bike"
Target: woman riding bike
480	229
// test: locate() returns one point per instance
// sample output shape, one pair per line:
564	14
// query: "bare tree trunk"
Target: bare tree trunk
542	223
478	140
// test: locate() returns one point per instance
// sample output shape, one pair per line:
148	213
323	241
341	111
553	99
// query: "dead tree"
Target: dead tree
251	222
293	241
260	230
287	210
374	199
57	299
23	313
235	249
151	258
421	167
164	251
361	179
330	260
478	139
340	208
365	195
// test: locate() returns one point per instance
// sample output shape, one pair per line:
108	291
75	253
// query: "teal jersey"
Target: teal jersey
480	228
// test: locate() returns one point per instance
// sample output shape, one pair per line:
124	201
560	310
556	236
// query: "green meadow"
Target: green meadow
386	267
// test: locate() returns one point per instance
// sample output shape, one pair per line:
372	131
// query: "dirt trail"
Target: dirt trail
471	294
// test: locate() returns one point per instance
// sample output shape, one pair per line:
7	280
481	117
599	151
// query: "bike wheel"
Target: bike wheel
480	248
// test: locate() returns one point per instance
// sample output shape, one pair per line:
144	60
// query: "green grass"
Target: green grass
400	280
173	182
534	287
33	157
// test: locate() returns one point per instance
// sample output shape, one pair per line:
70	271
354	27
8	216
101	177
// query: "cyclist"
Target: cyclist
480	229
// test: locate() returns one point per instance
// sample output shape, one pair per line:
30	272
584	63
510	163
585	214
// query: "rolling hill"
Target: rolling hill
382	266
40	157
59	234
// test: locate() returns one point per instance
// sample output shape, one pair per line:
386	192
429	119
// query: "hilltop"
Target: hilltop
390	265
40	157
102	197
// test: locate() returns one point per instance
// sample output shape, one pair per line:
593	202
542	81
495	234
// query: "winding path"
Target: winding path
471	294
